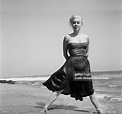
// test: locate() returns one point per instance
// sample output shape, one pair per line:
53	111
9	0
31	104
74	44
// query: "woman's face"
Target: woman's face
76	23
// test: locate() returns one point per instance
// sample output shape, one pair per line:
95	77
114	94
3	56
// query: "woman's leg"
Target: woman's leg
95	103
51	99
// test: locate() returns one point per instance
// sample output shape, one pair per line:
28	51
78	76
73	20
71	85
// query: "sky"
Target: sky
32	32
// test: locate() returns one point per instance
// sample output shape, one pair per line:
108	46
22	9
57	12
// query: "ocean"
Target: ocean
109	92
108	88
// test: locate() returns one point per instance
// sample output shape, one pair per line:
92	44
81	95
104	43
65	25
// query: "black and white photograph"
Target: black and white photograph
60	56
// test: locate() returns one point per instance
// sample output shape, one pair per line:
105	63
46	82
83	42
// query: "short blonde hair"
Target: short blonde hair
73	17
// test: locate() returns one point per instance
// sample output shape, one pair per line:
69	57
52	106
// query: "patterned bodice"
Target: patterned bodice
77	49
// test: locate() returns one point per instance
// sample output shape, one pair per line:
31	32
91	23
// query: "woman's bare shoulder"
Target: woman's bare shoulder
66	38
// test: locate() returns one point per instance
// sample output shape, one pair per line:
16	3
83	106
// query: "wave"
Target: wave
26	79
36	78
112	85
110	98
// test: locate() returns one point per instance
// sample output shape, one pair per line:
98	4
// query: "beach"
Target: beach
27	99
28	96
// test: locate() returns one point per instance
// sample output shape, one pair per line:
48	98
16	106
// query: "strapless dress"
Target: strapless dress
62	79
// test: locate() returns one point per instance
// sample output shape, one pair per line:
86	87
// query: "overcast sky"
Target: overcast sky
32	32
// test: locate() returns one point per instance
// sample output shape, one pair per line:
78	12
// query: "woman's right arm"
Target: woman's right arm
65	42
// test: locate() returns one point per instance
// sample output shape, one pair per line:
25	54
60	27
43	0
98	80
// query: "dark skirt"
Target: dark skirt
62	79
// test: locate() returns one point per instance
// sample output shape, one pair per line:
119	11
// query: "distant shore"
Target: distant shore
46	75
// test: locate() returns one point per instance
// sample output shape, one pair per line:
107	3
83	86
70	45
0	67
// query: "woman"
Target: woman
75	51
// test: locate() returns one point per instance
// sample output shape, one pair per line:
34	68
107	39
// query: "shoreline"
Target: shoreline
94	73
27	95
27	99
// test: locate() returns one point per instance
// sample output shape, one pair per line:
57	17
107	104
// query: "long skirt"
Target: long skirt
62	79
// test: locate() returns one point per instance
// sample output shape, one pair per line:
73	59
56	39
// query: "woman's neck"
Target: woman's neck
75	33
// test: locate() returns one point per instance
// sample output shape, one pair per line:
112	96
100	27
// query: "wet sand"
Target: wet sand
28	99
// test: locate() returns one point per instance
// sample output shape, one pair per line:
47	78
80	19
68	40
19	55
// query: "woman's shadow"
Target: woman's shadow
64	107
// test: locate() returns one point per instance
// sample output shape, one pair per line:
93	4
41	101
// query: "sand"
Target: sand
28	99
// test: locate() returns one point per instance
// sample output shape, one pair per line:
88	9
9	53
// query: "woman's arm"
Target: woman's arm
65	42
87	49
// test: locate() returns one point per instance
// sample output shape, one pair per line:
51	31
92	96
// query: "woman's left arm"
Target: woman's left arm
65	42
87	49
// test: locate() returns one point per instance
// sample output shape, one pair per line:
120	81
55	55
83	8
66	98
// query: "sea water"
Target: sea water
109	92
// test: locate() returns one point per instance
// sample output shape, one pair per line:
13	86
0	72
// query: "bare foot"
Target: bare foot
98	111
44	110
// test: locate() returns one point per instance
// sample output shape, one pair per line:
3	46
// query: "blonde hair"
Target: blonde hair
73	17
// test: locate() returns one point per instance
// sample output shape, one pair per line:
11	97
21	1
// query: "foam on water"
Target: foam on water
112	85
26	79
110	98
